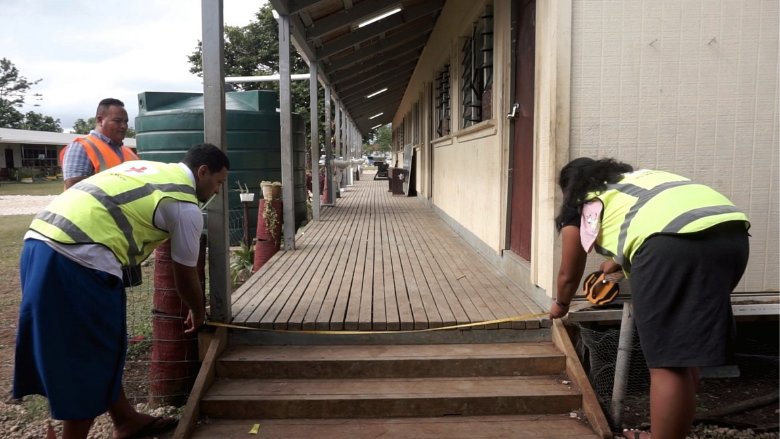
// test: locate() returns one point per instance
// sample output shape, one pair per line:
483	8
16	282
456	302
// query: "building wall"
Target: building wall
689	87
467	182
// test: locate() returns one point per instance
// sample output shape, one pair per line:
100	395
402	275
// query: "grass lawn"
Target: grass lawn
37	188
12	229
139	299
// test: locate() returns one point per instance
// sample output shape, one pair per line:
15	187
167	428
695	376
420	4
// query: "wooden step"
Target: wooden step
453	427
388	397
391	361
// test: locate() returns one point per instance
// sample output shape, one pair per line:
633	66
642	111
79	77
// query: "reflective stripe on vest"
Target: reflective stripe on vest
90	203
675	217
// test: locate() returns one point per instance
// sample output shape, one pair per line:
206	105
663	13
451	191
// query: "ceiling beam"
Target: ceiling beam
373	105
359	12
370	109
390	81
374	52
366	81
296	6
298	39
357	36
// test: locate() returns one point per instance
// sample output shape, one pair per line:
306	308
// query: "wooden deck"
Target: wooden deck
378	262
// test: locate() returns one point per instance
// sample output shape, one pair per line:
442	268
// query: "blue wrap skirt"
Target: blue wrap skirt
71	340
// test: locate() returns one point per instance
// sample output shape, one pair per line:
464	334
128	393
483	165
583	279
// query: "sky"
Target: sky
87	50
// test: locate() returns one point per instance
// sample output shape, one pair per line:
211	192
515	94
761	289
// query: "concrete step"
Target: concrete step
452	427
388	397
391	361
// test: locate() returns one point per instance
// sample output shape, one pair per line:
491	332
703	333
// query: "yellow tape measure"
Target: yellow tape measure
443	328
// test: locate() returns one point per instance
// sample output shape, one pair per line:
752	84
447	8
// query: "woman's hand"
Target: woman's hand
613	272
573	259
610	266
558	310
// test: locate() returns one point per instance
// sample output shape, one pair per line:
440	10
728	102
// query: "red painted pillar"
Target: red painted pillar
174	364
267	243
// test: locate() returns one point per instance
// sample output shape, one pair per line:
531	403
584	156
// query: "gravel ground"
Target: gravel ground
17	423
23	204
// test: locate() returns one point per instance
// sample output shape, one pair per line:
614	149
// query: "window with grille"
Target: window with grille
39	156
442	120
477	71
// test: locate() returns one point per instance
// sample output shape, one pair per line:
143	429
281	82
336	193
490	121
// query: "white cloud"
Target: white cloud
85	51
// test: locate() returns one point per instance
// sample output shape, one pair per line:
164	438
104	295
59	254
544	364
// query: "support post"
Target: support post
285	133
625	343
315	143
214	132
329	148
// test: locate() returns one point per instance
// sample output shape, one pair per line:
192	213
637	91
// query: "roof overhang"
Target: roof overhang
358	61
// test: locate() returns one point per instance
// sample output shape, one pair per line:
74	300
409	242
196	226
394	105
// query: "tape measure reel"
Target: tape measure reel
598	290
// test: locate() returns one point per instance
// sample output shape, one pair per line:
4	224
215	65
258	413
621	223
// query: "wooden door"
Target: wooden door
523	139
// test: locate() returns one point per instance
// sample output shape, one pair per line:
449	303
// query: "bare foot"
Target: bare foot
144	425
635	434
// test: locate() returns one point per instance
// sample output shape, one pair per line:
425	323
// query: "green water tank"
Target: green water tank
168	124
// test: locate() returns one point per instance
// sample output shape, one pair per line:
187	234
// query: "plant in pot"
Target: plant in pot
26	174
241	264
272	190
271	220
244	194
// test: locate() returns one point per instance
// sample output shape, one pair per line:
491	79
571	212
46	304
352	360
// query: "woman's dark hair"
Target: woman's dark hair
206	154
581	176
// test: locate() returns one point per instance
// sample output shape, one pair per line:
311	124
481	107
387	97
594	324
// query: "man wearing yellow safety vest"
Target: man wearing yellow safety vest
102	148
684	247
71	338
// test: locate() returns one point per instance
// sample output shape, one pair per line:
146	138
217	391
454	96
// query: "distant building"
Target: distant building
34	149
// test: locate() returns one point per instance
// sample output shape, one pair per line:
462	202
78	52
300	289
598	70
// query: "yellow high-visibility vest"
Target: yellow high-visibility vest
115	208
647	202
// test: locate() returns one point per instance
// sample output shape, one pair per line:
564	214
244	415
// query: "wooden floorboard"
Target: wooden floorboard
377	261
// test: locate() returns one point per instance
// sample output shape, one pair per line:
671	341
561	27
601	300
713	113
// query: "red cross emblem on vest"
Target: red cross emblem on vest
134	169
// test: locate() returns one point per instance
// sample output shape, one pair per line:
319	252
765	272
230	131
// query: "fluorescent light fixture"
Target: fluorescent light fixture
275	14
375	116
376	126
379	17
376	93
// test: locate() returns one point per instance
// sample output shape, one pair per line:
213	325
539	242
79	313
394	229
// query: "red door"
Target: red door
523	141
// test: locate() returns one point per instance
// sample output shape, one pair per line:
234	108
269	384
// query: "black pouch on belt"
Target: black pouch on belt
131	276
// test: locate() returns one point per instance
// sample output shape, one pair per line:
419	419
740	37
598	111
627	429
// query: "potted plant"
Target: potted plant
26	174
272	190
241	263
244	194
271	220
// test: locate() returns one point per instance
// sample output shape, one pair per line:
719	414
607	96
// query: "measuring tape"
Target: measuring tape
517	318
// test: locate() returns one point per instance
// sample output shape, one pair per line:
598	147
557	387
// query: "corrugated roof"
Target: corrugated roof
27	137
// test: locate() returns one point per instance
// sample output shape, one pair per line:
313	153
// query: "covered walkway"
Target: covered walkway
378	261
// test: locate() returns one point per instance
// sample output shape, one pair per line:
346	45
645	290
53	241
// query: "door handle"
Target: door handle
513	114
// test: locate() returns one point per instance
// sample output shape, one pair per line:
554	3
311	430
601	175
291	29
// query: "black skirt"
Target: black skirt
681	289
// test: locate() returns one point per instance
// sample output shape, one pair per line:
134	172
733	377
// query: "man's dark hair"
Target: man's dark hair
206	154
108	102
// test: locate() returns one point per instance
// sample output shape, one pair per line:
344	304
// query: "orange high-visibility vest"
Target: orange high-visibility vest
100	153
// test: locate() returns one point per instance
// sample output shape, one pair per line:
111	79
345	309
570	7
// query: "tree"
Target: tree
38	122
82	126
13	90
253	50
383	138
13	86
